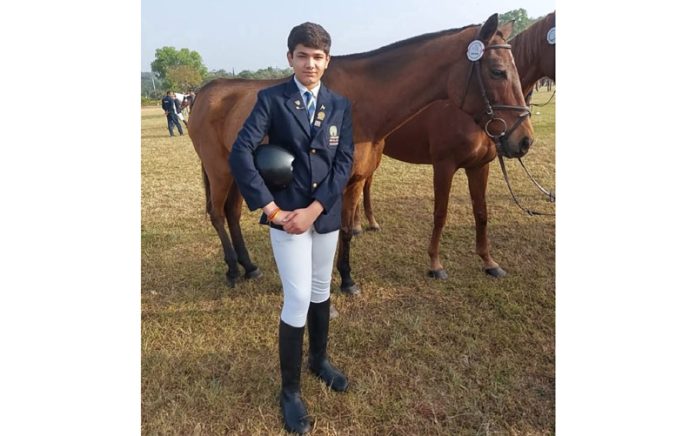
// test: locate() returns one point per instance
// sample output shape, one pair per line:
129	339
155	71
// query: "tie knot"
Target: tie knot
308	97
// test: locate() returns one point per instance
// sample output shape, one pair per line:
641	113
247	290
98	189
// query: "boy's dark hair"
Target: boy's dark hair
310	35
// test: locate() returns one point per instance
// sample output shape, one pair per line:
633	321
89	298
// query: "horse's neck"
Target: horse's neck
390	87
528	49
527	59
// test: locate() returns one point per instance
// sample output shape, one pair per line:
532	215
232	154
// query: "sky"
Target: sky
250	35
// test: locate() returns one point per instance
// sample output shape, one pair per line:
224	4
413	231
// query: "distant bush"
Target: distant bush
146	101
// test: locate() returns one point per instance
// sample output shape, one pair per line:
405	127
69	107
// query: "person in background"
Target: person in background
172	108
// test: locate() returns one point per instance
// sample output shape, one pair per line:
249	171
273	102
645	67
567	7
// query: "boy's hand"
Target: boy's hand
300	220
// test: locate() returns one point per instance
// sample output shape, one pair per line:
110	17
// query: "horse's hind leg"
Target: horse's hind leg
367	203
233	210
478	182
350	199
442	183
357	227
218	187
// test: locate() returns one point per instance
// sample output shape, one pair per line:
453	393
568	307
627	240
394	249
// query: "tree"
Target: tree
522	21
150	86
166	58
246	74
265	73
183	77
214	74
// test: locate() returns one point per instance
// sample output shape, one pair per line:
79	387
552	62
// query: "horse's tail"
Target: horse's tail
206	184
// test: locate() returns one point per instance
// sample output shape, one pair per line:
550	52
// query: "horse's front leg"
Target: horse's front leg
442	183
350	200
478	183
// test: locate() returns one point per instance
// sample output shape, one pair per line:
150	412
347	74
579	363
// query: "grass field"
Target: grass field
471	355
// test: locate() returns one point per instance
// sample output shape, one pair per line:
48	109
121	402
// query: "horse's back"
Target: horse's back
222	106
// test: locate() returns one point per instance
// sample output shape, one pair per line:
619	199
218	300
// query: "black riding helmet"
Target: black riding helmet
274	163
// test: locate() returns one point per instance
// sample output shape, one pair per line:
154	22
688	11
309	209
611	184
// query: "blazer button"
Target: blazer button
314	185
314	151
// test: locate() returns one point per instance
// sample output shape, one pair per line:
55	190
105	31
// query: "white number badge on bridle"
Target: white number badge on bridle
475	50
551	36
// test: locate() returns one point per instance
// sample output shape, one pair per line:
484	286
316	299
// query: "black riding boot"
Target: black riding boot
290	348
318	327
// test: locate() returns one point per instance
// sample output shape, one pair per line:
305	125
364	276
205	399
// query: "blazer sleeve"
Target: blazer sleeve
332	188
241	158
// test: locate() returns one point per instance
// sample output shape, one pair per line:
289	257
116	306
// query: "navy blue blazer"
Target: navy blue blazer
323	153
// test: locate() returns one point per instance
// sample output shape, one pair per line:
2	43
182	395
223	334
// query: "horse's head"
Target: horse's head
491	91
187	102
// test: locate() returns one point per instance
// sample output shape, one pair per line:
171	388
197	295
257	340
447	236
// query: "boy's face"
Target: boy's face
308	64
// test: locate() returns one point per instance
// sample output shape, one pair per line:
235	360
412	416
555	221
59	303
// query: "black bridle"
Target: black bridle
490	109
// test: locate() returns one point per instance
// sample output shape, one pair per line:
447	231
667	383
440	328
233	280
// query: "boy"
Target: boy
315	125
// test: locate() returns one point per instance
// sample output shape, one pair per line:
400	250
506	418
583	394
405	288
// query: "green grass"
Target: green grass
470	355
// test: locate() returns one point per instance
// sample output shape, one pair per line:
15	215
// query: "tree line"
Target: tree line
183	70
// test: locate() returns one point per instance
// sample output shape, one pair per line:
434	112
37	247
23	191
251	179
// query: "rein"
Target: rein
507	181
551	195
549	101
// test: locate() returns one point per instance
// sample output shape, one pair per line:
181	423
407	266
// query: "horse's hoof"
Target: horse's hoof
376	228
438	274
231	281
333	313
253	274
351	289
357	231
496	272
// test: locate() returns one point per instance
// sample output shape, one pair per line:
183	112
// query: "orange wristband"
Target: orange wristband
273	214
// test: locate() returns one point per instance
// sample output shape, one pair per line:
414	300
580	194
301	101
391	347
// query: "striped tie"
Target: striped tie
309	101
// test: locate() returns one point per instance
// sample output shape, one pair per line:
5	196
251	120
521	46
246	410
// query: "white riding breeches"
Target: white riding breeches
304	263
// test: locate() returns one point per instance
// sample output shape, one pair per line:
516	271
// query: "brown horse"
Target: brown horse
449	139
386	87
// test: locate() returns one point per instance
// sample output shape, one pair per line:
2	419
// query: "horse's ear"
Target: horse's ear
506	29
488	29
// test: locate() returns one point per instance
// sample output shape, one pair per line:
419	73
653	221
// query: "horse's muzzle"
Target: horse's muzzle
518	150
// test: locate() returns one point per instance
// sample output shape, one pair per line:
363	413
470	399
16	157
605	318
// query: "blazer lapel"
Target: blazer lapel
296	106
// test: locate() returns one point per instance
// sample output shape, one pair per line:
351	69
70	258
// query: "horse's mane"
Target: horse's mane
402	43
527	41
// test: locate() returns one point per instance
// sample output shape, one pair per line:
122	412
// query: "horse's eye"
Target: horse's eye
498	74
